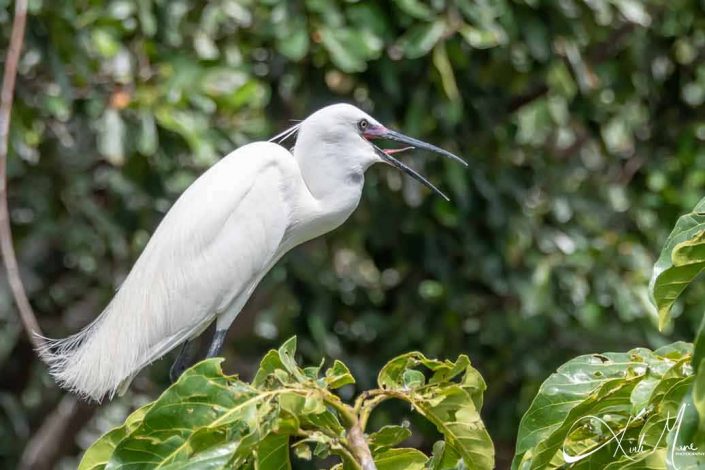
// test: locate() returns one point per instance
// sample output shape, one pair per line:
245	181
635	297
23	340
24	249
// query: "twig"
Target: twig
29	321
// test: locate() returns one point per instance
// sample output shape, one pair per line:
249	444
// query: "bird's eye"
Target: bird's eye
362	125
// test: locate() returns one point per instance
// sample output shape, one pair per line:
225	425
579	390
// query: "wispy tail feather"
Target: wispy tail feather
76	364
102	359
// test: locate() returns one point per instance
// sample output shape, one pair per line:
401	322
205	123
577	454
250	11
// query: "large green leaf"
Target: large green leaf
450	399
201	411
680	262
415	8
591	399
698	392
445	458
401	459
691	431
273	453
98	454
682	259
421	38
348	48
388	436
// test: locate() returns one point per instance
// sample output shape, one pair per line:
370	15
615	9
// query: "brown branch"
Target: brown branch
55	437
359	447
29	321
58	431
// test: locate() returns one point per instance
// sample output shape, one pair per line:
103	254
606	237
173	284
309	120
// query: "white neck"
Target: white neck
330	174
334	179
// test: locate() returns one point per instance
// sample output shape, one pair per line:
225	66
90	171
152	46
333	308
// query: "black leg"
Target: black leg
217	343
181	363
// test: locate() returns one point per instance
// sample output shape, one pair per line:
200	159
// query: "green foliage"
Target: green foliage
209	419
681	260
453	407
582	123
640	409
613	408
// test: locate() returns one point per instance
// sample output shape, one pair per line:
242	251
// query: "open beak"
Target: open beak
381	132
419	144
386	155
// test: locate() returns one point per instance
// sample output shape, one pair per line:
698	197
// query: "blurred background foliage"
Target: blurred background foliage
582	122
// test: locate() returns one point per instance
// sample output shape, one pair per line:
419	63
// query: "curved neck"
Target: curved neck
330	175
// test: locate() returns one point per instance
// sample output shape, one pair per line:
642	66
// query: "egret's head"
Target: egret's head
346	134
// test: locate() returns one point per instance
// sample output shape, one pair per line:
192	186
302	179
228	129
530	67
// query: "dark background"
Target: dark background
582	122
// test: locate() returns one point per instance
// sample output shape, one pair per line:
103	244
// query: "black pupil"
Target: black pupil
363	124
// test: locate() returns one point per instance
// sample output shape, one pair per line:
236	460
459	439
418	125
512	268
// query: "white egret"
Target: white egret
221	236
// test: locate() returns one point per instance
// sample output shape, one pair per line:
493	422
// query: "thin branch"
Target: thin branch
369	406
56	435
29	321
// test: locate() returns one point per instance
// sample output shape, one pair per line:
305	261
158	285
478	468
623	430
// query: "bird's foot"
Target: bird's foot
217	343
181	363
176	370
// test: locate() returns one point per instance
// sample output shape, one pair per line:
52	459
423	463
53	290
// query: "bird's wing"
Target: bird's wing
211	247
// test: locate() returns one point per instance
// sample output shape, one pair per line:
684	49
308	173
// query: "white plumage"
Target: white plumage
215	244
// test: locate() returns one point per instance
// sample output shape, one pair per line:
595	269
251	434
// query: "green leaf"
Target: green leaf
204	417
578	407
269	364
338	375
392	374
291	33
401	459
698	392
445	69
685	434
682	259
347	48
444	458
481	38
287	356
273	453
388	436
210	420
415	8
98	454
692	430
451	400
421	38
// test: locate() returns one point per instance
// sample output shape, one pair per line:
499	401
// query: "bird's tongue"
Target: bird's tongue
395	151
